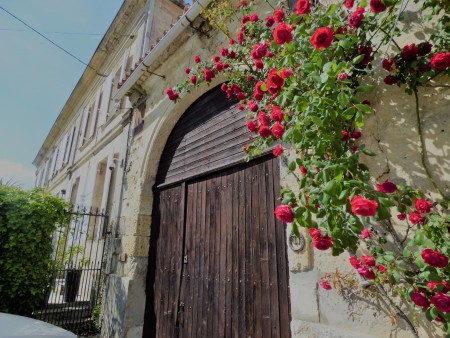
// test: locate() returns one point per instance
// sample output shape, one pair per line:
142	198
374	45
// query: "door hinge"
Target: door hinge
185	259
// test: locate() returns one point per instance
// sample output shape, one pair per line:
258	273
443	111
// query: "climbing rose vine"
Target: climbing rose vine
302	78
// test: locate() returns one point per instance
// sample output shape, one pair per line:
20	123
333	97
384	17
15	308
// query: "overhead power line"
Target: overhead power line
64	33
52	42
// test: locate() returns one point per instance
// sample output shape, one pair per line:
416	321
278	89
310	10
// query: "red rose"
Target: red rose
277	151
216	58
315	233
365	233
241	37
172	95
424	48
193	79
259	64
187	70
197	59
254	17
208	75
376	6
368	260
252	126
278	15
381	268
441	301
302	7
367	51
366	272
253	106
416	218
277	114
345	135
282	33
259	51
363	207
274	82
263	119
423	206
325	284
401	216
219	66
270	21
387	187
356	135
342	76
265	132
303	170
419	299
285	73
245	19
278	130
355	262
432	286
387	64
390	80
434	258
322	243
409	52
349	4
355	20
224	52
322	38
284	213
440	61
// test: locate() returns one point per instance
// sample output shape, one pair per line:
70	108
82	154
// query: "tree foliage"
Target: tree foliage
27	221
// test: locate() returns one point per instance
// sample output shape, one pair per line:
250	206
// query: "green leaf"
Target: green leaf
331	10
364	89
317	121
343	99
330	188
434	313
292	166
358	59
368	152
365	108
359	120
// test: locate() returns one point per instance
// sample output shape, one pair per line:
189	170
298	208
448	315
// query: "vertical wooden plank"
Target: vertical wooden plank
223	253
205	301
283	286
256	271
202	259
229	253
185	301
193	266
264	256
272	249
180	235
174	253
159	305
249	299
212	305
237	275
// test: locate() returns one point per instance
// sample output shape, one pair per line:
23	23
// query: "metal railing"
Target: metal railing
77	274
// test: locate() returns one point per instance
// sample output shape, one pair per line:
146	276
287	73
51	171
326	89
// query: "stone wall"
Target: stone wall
391	132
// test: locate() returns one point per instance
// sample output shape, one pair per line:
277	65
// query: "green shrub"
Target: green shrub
27	221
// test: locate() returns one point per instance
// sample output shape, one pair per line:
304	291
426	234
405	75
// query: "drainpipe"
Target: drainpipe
156	52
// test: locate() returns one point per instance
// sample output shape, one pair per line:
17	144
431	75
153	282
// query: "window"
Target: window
97	114
139	113
115	106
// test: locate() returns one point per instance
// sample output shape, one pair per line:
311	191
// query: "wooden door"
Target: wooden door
217	265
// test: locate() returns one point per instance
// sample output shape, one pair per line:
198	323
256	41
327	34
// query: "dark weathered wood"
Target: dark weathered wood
272	250
283	277
263	249
217	211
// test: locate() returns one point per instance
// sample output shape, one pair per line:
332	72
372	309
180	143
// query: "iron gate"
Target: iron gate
78	272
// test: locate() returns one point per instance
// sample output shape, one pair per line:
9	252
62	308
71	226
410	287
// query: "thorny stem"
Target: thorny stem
398	310
422	148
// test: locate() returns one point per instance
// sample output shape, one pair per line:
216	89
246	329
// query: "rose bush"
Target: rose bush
302	78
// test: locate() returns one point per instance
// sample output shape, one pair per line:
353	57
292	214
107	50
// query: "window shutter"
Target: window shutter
83	127
70	142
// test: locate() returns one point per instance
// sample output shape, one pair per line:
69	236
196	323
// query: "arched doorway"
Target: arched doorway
217	263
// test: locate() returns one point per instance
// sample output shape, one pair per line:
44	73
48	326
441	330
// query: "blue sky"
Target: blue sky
37	77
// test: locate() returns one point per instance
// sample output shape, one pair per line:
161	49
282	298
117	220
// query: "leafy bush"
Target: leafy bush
27	221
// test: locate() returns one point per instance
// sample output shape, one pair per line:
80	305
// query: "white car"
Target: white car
24	327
